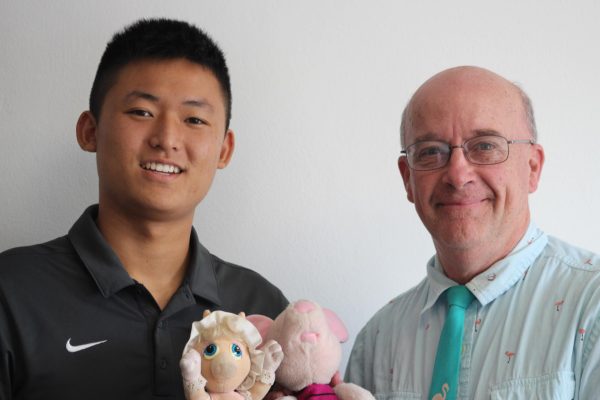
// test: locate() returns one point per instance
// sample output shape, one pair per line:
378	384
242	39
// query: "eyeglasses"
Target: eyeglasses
480	150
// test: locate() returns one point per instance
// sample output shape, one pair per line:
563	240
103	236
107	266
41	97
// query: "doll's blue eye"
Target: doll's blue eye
211	351
236	350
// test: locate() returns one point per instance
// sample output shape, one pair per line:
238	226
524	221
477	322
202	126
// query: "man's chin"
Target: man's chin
457	236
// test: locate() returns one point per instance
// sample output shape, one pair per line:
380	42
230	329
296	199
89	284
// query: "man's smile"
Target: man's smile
460	203
161	167
460	199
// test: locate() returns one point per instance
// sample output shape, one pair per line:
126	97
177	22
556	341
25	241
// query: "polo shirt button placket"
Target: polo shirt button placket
163	371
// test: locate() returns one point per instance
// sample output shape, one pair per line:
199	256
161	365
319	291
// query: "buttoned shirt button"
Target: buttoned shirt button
491	277
163	364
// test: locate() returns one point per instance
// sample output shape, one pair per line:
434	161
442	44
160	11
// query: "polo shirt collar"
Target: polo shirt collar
201	274
110	276
497	279
100	260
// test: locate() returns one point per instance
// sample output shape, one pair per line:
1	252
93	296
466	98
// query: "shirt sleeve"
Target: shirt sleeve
356	363
283	302
5	355
590	365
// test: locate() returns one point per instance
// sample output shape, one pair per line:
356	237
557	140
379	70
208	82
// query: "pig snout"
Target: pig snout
309	337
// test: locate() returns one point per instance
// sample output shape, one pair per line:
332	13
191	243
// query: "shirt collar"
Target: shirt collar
201	275
497	279
110	276
96	254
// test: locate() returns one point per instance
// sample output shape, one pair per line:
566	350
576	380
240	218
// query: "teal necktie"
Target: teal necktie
444	383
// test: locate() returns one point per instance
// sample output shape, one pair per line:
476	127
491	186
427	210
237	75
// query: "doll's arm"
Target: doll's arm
273	357
193	381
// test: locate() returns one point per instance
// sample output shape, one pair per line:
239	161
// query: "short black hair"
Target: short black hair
159	39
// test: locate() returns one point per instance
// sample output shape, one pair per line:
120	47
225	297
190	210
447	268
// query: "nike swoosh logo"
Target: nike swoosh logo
74	349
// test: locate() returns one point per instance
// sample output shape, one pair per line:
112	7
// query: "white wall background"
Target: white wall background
312	199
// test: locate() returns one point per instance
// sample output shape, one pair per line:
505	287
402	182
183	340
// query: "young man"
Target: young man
105	311
529	304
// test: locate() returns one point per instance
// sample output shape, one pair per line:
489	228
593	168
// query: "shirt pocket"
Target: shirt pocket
555	386
403	395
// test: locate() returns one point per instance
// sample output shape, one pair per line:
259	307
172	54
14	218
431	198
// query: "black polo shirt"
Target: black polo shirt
75	325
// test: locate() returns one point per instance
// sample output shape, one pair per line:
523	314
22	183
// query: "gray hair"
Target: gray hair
528	108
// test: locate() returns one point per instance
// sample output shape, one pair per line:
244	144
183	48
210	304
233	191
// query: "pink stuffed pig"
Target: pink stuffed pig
310	338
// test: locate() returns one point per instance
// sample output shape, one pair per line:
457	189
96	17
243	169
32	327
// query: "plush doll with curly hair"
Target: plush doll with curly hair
221	361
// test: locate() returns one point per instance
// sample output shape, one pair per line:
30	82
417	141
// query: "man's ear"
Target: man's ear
405	172
226	149
86	132
536	163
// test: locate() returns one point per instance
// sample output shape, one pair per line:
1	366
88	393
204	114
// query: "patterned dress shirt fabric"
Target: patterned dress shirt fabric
532	332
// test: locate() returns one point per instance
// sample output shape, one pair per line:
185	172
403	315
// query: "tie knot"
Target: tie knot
459	296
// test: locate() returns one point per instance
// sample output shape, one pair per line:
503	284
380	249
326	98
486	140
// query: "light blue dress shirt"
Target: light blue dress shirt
532	332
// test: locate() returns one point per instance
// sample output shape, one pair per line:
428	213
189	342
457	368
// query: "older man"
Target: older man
528	318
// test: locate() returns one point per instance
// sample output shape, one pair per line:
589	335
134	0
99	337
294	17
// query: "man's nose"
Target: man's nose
167	134
459	170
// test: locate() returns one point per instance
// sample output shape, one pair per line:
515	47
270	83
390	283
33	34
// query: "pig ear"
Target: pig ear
261	322
336	325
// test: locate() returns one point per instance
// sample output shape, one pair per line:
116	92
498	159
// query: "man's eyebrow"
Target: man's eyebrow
138	94
434	136
201	103
483	132
427	137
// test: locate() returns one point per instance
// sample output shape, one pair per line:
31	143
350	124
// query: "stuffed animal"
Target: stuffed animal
310	337
221	362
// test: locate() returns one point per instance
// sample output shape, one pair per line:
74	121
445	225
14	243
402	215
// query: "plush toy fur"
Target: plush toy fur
310	337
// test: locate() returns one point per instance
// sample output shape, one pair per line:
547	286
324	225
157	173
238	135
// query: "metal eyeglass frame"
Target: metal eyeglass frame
462	146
